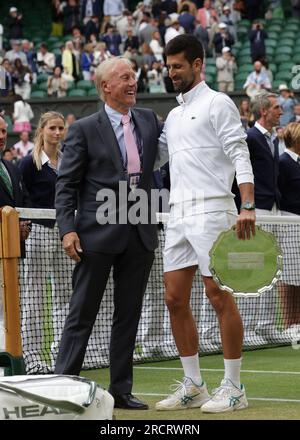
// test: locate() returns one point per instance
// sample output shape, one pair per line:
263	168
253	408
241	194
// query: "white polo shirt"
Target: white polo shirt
206	144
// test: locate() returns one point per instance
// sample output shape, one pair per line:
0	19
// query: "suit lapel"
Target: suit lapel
264	141
13	179
109	141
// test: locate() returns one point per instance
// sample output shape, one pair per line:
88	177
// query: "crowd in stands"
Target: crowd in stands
86	32
238	36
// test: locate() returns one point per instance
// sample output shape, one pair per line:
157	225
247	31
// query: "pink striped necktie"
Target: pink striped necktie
133	158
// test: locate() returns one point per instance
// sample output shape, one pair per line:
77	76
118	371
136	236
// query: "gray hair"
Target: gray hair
261	101
104	69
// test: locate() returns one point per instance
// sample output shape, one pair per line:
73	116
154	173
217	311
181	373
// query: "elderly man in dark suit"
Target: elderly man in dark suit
107	154
12	190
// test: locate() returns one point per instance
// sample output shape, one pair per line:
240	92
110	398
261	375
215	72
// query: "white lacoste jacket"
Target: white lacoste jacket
206	144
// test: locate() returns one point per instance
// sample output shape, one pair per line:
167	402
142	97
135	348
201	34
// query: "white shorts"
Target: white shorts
188	242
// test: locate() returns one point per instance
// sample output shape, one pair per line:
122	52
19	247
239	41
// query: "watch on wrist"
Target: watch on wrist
249	206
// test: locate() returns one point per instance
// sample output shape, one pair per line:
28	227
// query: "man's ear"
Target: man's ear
198	64
105	86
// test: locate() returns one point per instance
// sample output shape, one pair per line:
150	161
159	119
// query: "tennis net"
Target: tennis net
45	278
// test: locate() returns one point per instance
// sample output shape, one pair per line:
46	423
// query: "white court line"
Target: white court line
264	399
221	370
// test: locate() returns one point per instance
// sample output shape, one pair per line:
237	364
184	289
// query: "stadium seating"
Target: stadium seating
9	122
43	86
77	92
212	70
270	42
42	77
210	61
92	92
85	85
38	94
285	66
209	79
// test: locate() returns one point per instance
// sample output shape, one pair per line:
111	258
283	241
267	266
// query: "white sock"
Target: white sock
191	368
233	370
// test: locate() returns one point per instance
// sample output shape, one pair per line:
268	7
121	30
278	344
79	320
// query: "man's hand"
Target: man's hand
245	224
25	228
71	245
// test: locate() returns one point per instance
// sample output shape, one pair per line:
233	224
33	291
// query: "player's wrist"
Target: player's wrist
248	205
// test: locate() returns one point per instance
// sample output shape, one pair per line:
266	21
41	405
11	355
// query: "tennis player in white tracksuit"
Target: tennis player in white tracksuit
207	147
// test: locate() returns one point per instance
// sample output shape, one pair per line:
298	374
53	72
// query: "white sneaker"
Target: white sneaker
186	395
226	398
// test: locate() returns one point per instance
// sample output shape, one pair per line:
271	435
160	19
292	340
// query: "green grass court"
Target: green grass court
271	377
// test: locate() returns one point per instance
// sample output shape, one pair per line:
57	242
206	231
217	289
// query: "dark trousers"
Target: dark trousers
131	270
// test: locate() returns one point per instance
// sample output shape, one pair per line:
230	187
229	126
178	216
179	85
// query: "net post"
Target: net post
10	251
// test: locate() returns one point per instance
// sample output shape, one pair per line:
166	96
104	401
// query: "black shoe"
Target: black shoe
128	401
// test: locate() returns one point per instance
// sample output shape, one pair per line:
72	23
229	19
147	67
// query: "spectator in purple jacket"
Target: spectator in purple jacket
112	40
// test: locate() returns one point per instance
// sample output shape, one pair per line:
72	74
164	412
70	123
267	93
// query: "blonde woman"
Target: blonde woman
44	256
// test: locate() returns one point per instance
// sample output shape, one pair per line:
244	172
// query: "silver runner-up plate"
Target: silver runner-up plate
246	267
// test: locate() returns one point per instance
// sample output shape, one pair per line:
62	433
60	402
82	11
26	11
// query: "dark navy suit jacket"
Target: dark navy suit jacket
289	184
92	162
40	185
20	196
265	169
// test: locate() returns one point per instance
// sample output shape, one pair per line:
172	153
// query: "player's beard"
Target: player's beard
185	85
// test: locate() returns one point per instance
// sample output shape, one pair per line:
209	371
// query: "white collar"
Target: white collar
114	115
45	158
292	154
263	130
191	94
